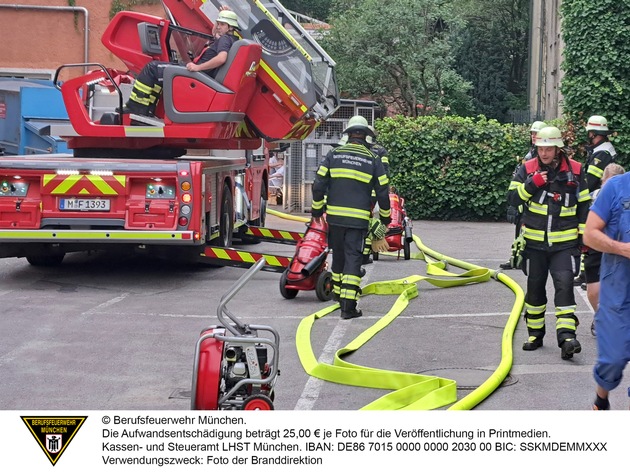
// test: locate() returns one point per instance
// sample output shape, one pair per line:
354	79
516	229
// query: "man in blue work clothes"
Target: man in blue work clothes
608	230
343	189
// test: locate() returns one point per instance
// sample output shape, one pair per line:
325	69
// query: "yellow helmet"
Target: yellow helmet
549	136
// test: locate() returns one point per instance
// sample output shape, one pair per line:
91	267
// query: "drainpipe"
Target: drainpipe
86	15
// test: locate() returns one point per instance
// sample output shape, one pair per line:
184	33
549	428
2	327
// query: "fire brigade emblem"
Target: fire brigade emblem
53	434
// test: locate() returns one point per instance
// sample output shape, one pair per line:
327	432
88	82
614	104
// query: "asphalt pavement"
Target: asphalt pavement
105	332
457	333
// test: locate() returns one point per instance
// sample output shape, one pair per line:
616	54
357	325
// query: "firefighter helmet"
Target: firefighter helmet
342	141
549	136
371	140
229	17
359	124
597	124
537	126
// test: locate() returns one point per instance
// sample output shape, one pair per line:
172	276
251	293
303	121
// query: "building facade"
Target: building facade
545	59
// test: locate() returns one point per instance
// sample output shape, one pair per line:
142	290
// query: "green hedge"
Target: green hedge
597	67
453	168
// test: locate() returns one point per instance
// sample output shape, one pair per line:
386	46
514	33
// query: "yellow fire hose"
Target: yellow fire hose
409	390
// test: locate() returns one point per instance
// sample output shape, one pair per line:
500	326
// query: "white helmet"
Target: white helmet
371	138
537	126
598	124
549	136
358	123
229	17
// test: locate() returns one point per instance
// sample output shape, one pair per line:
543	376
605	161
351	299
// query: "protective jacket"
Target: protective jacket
381	152
597	159
555	214
343	186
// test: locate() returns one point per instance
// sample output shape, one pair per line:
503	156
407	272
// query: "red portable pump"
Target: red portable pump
308	269
399	231
235	367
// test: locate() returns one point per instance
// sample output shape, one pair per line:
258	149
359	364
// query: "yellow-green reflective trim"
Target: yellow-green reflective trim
565	235
62	235
537	235
523	194
595	171
535	309
348	212
535	207
535	323
568	211
281	83
565	310
344	173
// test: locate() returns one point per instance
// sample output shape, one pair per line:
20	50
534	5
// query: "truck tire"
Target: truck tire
226	222
257	222
45	260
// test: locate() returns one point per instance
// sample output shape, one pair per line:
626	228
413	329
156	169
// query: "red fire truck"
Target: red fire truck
193	175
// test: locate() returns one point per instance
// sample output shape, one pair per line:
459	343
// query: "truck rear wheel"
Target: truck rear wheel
45	260
226	223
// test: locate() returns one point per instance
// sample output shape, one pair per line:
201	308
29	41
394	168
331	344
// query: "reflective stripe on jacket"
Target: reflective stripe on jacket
344	182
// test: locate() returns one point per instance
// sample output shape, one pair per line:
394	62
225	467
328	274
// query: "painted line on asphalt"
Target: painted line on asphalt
299	317
115	300
313	388
584	296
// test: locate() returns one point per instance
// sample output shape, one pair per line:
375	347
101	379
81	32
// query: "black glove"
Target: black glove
512	213
386	220
317	213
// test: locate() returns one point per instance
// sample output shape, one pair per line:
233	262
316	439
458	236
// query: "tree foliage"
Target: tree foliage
493	55
318	9
597	66
400	53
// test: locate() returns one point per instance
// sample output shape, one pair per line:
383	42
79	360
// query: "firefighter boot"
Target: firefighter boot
349	309
533	343
535	327
569	347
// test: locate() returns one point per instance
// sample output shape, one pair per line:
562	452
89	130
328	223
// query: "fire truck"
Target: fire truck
194	175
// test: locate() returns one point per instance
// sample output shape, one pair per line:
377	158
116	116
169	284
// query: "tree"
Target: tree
597	65
318	9
399	52
493	55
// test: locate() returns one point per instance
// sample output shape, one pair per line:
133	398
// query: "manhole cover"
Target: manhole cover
467	378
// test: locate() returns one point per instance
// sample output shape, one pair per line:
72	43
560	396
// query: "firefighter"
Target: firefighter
552	189
600	152
148	85
381	152
342	189
514	213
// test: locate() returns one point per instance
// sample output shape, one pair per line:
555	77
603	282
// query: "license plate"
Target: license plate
93	205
